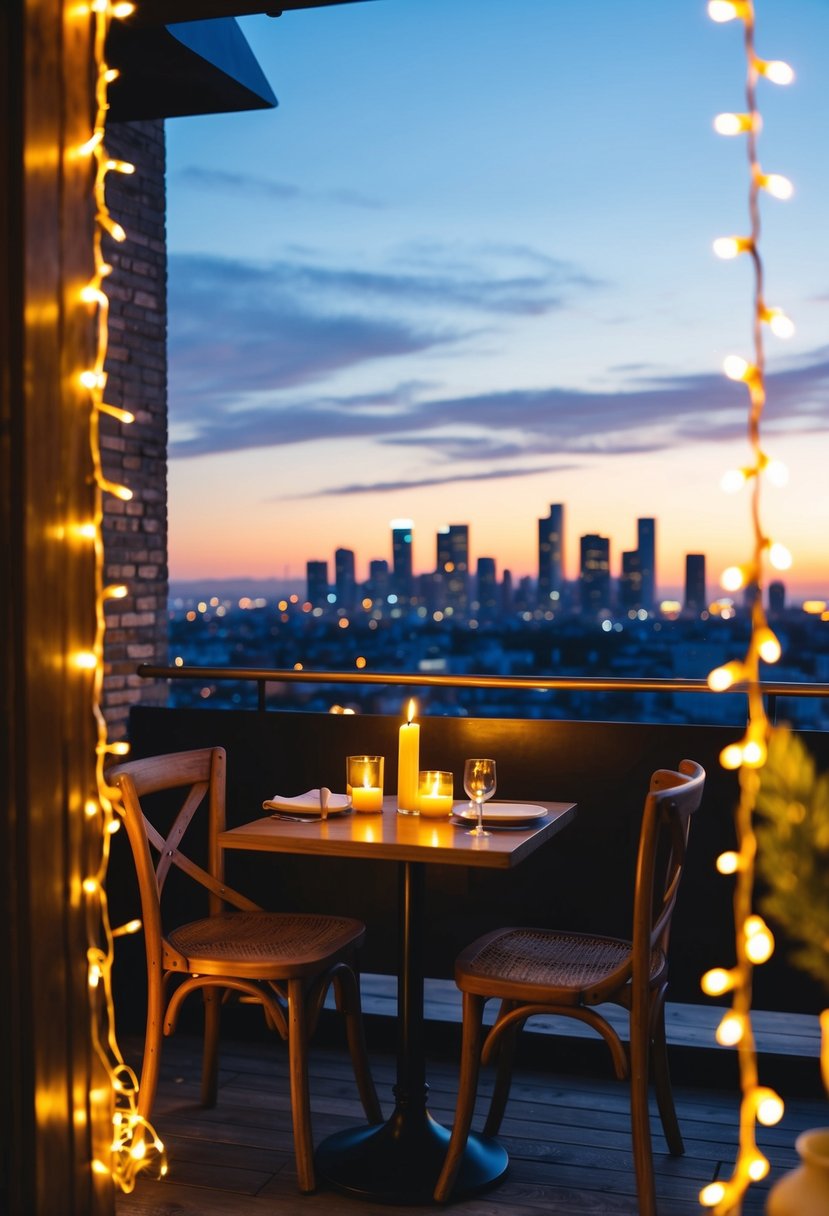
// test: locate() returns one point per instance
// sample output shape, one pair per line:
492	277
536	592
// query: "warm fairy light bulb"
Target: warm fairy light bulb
726	247
779	556
98	1167
730	1030
727	10
758	1167
92	295
87	660
86	531
733	481
717	981
780	325
776	184
123	9
777	473
115	411
728	862
90	808
769	1107
768	646
732	578
711	1195
91	886
736	367
754	753
775	70
723	677
731	757
119	166
92	379
118	591
735	124
111	74
132	926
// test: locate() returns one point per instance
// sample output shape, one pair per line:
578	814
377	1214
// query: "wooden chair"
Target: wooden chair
283	961
541	971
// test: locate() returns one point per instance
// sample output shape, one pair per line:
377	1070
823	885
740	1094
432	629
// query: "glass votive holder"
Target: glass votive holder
364	782
435	793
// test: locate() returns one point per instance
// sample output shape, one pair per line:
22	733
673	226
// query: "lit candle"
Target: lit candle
435	793
364	782
408	764
367	797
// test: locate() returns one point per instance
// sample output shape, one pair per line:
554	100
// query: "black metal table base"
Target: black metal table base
399	1161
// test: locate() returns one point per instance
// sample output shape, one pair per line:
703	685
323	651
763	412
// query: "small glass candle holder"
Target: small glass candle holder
435	793
364	782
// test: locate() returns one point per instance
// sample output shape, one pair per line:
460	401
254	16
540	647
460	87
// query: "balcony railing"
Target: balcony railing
262	676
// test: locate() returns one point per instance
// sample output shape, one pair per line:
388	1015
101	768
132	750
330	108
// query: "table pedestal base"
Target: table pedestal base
399	1161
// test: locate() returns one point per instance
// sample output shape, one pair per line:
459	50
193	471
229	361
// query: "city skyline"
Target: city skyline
410	291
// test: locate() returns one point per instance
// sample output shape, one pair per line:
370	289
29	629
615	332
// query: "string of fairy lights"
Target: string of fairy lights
134	1143
754	940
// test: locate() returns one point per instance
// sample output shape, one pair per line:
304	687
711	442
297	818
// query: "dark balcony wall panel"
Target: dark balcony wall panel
582	879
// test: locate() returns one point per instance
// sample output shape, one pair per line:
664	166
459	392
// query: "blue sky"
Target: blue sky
464	270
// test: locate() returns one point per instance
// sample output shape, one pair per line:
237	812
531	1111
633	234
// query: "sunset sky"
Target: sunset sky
464	271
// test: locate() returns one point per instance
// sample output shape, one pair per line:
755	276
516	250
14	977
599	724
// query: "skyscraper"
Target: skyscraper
316	575
551	555
695	597
487	589
453	566
630	584
344	581
594	574
647	561
401	551
379	584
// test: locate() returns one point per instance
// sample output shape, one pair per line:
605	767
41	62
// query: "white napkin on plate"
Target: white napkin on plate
312	802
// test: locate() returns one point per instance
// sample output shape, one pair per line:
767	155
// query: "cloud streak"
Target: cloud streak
264	187
382	487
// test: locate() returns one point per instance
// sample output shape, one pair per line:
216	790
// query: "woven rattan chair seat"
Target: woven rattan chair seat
277	942
547	959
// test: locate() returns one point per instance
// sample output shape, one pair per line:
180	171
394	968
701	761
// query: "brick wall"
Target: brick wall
135	532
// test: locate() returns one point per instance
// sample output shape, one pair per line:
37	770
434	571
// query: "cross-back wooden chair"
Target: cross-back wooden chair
283	961
542	971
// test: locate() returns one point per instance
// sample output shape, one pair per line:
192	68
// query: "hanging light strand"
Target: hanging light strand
134	1143
753	940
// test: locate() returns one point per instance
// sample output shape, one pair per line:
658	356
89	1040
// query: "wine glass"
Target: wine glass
479	783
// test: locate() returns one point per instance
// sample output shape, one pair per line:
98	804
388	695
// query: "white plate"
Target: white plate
500	812
307	803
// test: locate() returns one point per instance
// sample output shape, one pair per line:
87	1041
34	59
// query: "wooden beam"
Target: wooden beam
168	12
52	1129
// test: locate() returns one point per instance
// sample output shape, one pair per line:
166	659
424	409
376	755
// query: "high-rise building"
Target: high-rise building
594	574
379	583
777	598
316	577
551	556
453	566
646	529
695	595
345	583
401	551
487	589
630	583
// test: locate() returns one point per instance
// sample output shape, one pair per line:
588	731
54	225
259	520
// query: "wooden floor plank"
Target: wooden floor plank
568	1139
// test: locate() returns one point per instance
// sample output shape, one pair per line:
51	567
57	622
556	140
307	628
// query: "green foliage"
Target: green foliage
792	829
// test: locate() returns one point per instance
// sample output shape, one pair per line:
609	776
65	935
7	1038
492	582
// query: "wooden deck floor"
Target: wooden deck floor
568	1140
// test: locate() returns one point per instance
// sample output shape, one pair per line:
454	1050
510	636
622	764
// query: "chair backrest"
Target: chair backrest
672	799
199	775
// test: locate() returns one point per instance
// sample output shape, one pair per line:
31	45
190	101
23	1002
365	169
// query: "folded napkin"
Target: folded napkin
309	803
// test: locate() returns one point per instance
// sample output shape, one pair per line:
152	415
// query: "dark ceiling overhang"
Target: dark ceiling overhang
168	12
197	67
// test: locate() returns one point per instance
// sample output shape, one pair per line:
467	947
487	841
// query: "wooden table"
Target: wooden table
399	1161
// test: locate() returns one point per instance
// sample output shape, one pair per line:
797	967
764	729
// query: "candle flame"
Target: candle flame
436	785
411	710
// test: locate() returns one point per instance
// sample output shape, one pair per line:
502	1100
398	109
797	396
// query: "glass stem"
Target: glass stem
480	805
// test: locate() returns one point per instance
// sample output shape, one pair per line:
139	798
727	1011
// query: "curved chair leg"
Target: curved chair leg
662	1084
300	1098
639	1115
347	995
210	1051
473	1008
503	1074
151	1062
